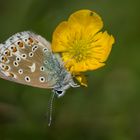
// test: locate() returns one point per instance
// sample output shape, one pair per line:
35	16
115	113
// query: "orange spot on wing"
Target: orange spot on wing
31	41
7	53
14	49
6	68
20	44
4	59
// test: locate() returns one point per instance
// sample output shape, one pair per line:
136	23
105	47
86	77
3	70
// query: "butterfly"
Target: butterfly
27	58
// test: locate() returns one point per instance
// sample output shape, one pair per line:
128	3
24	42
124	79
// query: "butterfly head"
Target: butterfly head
66	83
59	92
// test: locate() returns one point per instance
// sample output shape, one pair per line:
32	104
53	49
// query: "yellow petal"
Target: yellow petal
85	66
59	40
103	45
86	20
89	64
81	78
80	24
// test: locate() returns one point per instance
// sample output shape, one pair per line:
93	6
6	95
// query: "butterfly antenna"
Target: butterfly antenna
50	109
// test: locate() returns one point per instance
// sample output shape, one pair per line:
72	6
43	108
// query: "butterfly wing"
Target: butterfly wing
27	58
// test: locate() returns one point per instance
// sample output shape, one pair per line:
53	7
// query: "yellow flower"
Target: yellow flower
80	43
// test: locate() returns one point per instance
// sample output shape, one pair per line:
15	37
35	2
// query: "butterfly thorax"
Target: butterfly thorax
60	78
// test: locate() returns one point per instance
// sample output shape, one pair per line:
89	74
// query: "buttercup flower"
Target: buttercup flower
81	44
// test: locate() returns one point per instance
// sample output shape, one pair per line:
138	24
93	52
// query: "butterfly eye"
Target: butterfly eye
42	79
59	93
27	79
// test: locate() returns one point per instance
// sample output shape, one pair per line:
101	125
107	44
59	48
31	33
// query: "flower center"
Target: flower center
80	50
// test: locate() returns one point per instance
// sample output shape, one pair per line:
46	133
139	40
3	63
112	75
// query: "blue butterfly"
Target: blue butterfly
27	58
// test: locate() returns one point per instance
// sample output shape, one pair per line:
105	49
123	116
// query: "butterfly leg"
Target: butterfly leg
73	84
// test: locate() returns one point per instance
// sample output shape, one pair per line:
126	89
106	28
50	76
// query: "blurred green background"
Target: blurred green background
109	109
